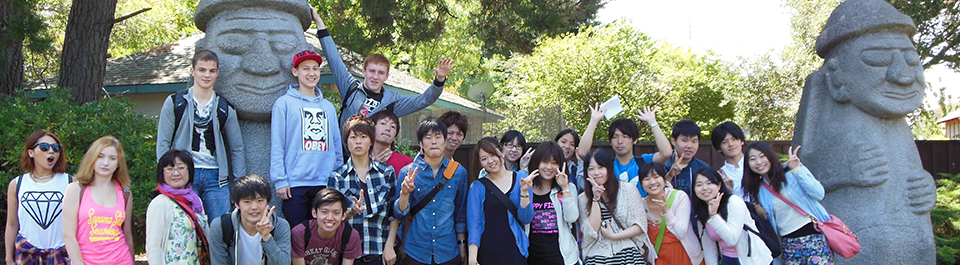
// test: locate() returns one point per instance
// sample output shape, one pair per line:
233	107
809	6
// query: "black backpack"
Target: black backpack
769	236
223	109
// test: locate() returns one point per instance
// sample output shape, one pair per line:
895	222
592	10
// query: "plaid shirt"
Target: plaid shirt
374	224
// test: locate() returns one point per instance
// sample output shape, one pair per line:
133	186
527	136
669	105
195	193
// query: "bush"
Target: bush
946	219
78	126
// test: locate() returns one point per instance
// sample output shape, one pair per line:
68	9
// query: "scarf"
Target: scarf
184	195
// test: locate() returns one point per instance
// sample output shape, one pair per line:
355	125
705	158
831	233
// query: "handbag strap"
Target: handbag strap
775	193
492	188
663	221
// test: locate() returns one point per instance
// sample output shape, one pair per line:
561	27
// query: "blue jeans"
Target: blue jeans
297	209
216	199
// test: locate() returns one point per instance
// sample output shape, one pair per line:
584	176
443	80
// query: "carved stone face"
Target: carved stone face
255	47
879	73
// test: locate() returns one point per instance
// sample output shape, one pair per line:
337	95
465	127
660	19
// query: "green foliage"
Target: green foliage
364	25
514	26
946	219
78	126
567	74
769	95
165	22
924	120
937	36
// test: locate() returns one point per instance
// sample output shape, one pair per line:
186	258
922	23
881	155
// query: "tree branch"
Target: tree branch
119	19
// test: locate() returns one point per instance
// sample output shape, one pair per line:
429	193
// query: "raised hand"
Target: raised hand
714	204
525	160
264	225
597	189
358	205
596	113
794	160
663	206
407	186
675	168
525	184
647	115
443	68
726	180
562	179
317	19
383	156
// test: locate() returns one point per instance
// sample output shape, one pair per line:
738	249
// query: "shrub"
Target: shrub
78	126
946	219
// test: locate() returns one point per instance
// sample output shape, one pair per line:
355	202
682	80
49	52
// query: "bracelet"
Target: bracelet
524	195
565	191
655	124
461	242
596	200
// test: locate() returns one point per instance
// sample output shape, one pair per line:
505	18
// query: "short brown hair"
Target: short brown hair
376	58
358	124
26	162
451	118
204	55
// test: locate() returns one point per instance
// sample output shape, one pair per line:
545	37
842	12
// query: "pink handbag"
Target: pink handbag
839	237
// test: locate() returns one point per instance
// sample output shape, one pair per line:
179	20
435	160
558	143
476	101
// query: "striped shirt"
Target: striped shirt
378	191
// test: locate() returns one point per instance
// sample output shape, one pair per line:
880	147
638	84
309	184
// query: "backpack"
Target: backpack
354	87
223	109
344	238
766	232
226	227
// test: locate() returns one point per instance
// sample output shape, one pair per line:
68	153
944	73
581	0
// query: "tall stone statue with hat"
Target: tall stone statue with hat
255	41
851	124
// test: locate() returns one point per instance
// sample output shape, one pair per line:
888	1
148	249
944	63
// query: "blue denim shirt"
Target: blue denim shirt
433	232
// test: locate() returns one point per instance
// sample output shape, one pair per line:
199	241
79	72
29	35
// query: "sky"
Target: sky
732	28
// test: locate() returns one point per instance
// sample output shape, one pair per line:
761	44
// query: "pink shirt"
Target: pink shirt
398	161
100	231
728	250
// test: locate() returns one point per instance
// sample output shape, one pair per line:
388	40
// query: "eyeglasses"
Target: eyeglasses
170	170
510	146
47	146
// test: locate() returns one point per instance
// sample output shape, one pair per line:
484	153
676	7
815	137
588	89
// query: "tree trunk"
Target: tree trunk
84	59
11	52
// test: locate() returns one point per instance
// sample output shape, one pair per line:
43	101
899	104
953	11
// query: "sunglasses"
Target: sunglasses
47	146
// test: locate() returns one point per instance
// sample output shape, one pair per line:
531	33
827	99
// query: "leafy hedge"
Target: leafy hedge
946	219
78	126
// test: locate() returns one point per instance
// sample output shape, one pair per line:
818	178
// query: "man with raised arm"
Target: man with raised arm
369	96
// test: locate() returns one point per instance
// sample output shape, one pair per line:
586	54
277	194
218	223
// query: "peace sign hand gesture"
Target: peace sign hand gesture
526	183
676	167
525	159
562	179
408	185
597	189
714	204
358	205
794	160
264	225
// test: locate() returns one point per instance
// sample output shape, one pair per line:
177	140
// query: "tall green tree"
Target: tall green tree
19	23
551	88
938	30
514	26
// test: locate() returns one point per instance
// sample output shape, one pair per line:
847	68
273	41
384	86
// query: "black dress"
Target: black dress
497	244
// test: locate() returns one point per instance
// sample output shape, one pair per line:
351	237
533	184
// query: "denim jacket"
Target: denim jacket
433	231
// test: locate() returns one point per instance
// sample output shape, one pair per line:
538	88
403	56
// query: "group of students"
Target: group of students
348	198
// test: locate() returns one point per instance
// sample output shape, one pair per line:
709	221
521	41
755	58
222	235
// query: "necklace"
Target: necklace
35	178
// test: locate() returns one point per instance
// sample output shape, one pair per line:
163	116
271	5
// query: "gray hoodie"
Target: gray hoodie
276	249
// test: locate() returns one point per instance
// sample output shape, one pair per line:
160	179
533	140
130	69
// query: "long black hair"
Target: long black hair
752	181
611	187
700	209
548	150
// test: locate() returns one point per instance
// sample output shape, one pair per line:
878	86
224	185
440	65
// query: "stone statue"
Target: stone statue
255	41
851	124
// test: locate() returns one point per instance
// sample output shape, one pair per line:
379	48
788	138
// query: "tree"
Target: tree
83	62
552	87
19	23
938	30
507	26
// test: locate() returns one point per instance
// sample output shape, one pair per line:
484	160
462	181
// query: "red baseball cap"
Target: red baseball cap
306	55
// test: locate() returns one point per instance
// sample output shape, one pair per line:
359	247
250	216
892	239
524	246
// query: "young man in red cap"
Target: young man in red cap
305	139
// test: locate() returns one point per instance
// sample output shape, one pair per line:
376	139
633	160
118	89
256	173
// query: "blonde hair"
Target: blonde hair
85	174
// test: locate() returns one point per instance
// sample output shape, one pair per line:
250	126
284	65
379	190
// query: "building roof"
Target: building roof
169	64
949	117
